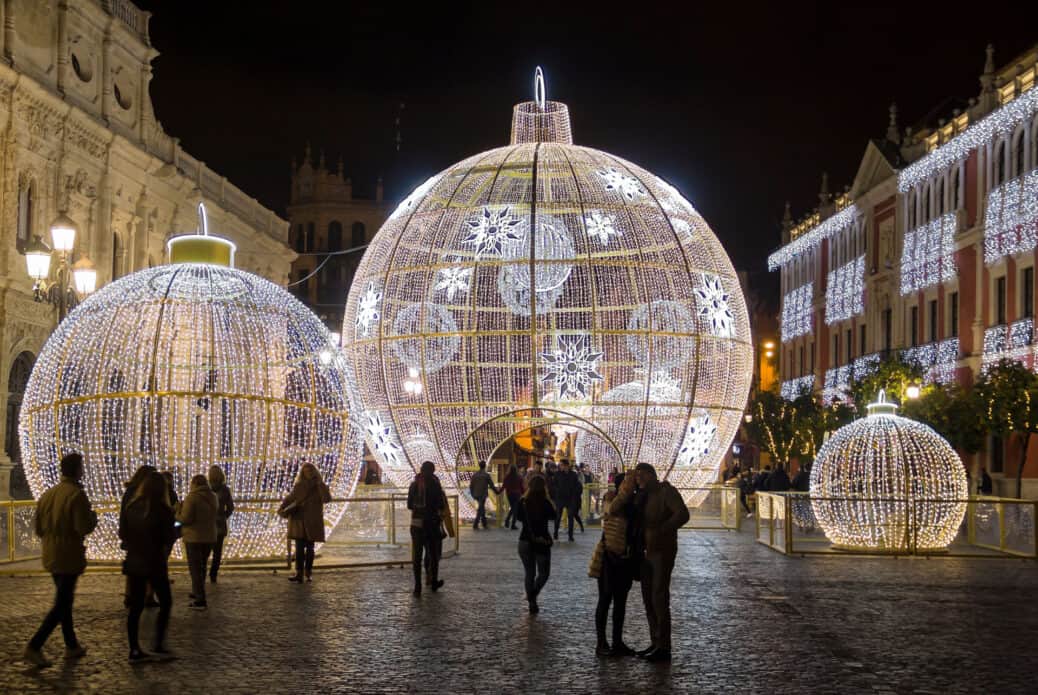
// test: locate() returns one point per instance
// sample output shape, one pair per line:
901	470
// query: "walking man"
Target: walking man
64	518
570	490
659	513
479	488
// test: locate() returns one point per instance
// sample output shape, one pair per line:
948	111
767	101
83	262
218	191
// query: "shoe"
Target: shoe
645	652
298	579
749	515
571	539
309	579
603	649
534	608
556	536
437	584
163	654
212	578
620	649
658	656
428	579
151	604
198	605
417	591
484	526
192	597
35	657
475	527
77	652
139	657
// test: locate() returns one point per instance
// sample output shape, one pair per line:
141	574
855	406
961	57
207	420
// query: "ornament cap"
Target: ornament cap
200	247
541	120
881	406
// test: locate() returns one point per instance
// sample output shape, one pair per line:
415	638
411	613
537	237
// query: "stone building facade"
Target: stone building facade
325	216
79	136
930	252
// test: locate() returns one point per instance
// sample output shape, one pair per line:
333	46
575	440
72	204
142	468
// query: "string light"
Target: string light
887	483
792	388
937	360
639	325
1011	218
797	312
928	256
831	225
845	291
1014	342
836	385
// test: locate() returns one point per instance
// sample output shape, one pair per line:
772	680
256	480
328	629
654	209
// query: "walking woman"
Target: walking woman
197	514
130	488
616	578
513	485
146	530
304	508
224	509
535	511
426	500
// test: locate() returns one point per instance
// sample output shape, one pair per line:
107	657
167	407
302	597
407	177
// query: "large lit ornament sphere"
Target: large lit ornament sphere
887	483
545	283
183	366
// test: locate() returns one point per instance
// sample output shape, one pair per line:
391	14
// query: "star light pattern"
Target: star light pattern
601	226
887	483
453	281
629	292
490	230
700	434
382	439
572	366
182	367
368	309
713	306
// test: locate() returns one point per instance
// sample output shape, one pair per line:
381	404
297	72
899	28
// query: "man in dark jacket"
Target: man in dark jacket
778	481
985	487
802	480
569	491
479	488
760	481
64	518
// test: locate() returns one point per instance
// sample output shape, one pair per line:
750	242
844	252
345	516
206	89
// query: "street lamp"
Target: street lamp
912	392
69	283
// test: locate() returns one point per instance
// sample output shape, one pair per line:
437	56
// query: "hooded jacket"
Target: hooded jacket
307	500
197	513
64	518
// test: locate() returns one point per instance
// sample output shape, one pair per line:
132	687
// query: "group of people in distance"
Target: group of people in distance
151	520
564	486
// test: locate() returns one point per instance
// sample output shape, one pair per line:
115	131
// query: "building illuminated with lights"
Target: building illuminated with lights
930	251
81	138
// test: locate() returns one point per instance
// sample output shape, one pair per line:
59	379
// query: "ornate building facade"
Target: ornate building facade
325	216
79	137
930	251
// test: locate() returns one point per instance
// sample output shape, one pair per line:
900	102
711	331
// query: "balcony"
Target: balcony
1014	341
938	360
1011	218
928	256
794	387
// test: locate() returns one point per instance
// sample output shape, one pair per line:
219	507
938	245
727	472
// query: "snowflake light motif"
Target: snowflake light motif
601	226
491	229
571	366
627	186
681	226
368	311
714	306
663	388
454	280
701	431
381	435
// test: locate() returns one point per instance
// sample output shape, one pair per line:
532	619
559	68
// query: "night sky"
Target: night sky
740	107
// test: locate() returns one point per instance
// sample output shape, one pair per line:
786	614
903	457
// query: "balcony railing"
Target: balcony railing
938	360
1014	341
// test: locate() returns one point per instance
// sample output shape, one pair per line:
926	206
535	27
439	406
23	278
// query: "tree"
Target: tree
1007	400
951	411
893	375
819	419
775	425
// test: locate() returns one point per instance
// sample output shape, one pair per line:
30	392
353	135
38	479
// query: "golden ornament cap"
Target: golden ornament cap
200	247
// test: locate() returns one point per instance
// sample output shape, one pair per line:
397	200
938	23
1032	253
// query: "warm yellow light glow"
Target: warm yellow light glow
85	276
63	234
912	392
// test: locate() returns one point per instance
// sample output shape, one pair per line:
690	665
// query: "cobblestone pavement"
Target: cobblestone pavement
746	620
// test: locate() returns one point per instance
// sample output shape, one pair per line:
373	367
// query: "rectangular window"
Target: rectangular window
913	329
1028	290
1000	301
888	323
998	453
850	345
812	358
861	340
801	360
953	302
836	350
933	320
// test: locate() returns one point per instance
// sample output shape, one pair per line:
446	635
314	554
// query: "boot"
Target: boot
418	582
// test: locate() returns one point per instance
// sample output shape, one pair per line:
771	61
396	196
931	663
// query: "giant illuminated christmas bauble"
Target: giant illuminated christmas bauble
183	366
887	483
544	283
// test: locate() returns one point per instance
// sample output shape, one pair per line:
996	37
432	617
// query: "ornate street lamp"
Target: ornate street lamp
70	283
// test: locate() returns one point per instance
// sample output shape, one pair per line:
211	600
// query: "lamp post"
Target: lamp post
70	282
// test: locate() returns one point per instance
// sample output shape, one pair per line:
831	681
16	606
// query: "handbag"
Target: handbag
595	568
447	520
287	512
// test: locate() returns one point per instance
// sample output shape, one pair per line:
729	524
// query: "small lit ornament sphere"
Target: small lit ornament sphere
544	283
887	483
183	366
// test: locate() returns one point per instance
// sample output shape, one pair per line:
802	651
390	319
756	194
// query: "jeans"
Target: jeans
573	513
217	556
304	557
655	577
537	564
197	557
138	590
513	503
61	612
481	512
427	541
613	586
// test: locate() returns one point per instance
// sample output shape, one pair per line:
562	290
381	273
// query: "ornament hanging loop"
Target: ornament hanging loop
540	93
203	220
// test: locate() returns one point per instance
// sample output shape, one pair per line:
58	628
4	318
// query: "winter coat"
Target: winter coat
801	481
224	508
568	489
426	500
64	518
480	485
778	481
614	528
534	517
147	533
662	513
197	514
306	522
513	484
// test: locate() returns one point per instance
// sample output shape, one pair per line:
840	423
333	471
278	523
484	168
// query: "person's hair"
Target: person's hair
308	471
482	465
71	464
647	468
199	480
564	462
138	476
618	479
216	476
427	468
536	490
152	489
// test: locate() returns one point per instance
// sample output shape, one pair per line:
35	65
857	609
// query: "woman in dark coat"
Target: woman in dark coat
535	510
146	530
304	508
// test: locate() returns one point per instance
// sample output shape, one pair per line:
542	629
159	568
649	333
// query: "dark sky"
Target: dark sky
741	106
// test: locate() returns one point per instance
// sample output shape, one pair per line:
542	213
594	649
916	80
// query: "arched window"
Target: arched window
956	194
300	240
1019	154
310	236
26	202
358	237
926	206
334	236
911	209
17	380
940	196
998	164
1034	145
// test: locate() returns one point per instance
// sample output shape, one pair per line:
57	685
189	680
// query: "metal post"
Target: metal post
10	531
457	524
392	519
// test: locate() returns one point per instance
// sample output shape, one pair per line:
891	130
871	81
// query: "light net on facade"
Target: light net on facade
845	291
1011	218
181	367
797	312
545	283
928	256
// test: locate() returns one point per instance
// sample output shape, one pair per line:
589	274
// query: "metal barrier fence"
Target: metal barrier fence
992	527
17	531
